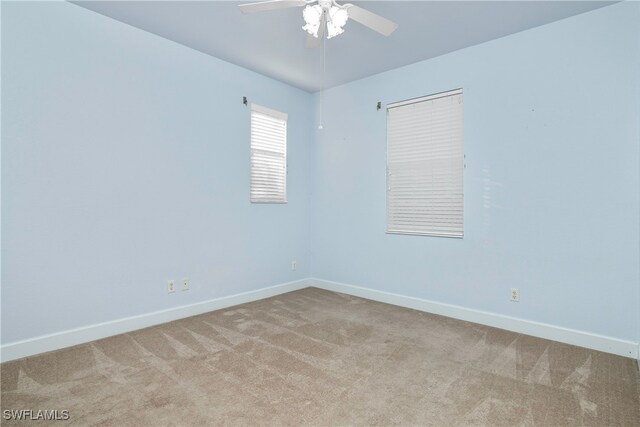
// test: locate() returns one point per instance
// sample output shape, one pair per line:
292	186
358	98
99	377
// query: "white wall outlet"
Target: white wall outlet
185	285
171	286
515	294
294	265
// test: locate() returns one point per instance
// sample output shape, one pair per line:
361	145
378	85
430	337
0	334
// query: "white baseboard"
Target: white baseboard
536	329
89	333
56	341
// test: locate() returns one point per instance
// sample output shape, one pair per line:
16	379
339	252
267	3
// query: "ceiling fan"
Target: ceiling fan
326	14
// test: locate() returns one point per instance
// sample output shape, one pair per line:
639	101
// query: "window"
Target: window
268	155
425	163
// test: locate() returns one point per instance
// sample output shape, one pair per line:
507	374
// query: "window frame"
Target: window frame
276	115
454	229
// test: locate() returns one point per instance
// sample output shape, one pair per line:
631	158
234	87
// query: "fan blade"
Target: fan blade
371	20
313	42
270	5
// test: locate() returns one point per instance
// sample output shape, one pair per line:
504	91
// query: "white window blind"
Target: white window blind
425	163
268	155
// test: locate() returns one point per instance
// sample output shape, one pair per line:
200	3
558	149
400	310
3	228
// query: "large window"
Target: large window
268	155
425	163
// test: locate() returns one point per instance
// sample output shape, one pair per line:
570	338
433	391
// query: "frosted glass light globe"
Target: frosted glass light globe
312	15
337	19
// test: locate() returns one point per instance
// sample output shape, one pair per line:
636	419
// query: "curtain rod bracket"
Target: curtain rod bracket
244	100
378	106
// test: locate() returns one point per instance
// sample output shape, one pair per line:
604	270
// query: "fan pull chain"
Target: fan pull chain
324	70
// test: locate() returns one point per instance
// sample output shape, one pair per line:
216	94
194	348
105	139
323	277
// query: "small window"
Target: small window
268	155
425	163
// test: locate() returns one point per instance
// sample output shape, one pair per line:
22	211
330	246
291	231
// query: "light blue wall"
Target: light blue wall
551	185
125	163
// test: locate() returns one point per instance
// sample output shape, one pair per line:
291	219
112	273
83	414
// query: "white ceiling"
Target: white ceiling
272	43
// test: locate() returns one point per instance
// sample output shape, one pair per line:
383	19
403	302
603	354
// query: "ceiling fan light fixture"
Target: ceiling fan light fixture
337	19
325	12
312	16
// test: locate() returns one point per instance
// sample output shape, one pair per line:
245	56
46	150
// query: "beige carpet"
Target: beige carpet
321	358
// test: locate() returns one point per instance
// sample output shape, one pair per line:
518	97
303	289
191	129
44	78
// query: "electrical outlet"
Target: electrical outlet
185	284
515	295
294	265
171	286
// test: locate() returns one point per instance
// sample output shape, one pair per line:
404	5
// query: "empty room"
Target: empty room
313	212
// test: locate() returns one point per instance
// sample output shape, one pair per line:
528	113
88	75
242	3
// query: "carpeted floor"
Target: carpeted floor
321	358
